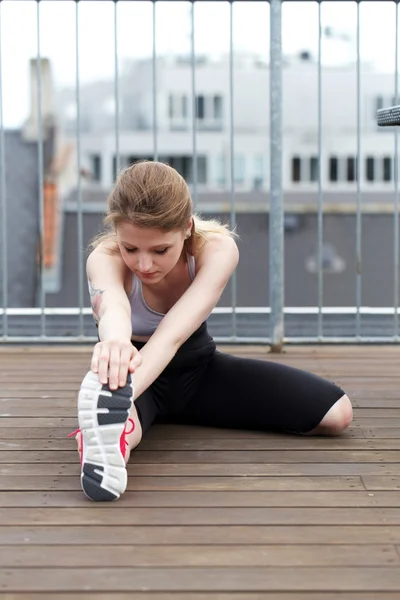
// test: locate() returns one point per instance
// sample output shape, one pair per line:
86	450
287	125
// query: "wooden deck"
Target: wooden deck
208	513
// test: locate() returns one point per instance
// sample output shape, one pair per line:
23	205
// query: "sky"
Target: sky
57	24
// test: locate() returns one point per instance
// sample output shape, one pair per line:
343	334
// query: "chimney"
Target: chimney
30	130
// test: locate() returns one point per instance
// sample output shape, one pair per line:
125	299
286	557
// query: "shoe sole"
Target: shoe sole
102	416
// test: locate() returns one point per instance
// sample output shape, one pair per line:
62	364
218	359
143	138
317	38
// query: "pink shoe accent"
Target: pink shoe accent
123	443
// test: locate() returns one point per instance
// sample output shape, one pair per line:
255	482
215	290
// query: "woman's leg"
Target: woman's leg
255	394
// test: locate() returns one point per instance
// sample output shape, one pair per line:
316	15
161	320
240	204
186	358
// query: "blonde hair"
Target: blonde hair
153	194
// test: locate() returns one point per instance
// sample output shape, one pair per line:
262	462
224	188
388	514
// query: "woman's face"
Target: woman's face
150	253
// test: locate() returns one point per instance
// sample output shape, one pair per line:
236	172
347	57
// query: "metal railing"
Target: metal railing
233	324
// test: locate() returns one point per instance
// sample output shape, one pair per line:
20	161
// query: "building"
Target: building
175	107
174	136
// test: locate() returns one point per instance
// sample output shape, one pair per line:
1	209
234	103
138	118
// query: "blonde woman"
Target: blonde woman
154	277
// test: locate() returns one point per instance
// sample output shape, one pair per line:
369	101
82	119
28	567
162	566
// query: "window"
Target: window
95	161
296	169
200	107
333	168
124	161
184	106
221	169
379	103
184	165
201	169
314	168
259	175
171	106
351	168
239	169
177	107
370	168
217	107
387	168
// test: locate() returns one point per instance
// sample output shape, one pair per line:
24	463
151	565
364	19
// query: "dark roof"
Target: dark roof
301	283
21	163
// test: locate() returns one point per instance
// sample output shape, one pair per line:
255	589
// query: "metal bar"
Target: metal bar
221	310
79	215
40	176
4	236
358	214
218	339
116	90
320	162
232	0
232	161
154	61
194	103
276	276
396	186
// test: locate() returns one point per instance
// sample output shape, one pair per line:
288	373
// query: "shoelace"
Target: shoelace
123	440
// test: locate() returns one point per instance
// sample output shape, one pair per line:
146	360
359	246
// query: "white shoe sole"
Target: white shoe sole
102	416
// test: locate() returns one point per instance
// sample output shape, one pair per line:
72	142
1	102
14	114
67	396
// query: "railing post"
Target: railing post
276	250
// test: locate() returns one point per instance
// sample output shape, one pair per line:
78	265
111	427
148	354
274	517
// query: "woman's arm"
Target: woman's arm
114	354
218	260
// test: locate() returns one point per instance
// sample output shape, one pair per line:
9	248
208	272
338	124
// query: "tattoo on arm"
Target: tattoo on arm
95	301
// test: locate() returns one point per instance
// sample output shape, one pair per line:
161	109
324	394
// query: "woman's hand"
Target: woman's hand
112	360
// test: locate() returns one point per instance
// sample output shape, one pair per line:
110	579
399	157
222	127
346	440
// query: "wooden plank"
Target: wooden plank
383	383
53	408
285	442
143	498
268	442
381	432
376	413
14	435
381	423
170	431
202	579
28	422
27	393
195	535
199	556
259	470
212	470
44	386
366	394
245	456
382	483
369	403
51	422
34	412
46	483
180	433
171	516
254	457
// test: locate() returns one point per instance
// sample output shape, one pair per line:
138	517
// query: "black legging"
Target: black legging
205	387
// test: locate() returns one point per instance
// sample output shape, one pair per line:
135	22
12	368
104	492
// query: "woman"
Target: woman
154	278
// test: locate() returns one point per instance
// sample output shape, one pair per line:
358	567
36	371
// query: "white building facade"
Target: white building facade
212	105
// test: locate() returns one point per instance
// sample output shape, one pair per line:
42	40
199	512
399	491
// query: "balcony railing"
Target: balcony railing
273	323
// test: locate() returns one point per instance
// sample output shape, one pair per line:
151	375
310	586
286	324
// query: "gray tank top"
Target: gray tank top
145	320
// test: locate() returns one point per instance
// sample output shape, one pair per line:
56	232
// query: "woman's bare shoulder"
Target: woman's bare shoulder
216	242
105	262
108	247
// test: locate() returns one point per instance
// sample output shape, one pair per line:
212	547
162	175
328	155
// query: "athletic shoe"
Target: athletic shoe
103	415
